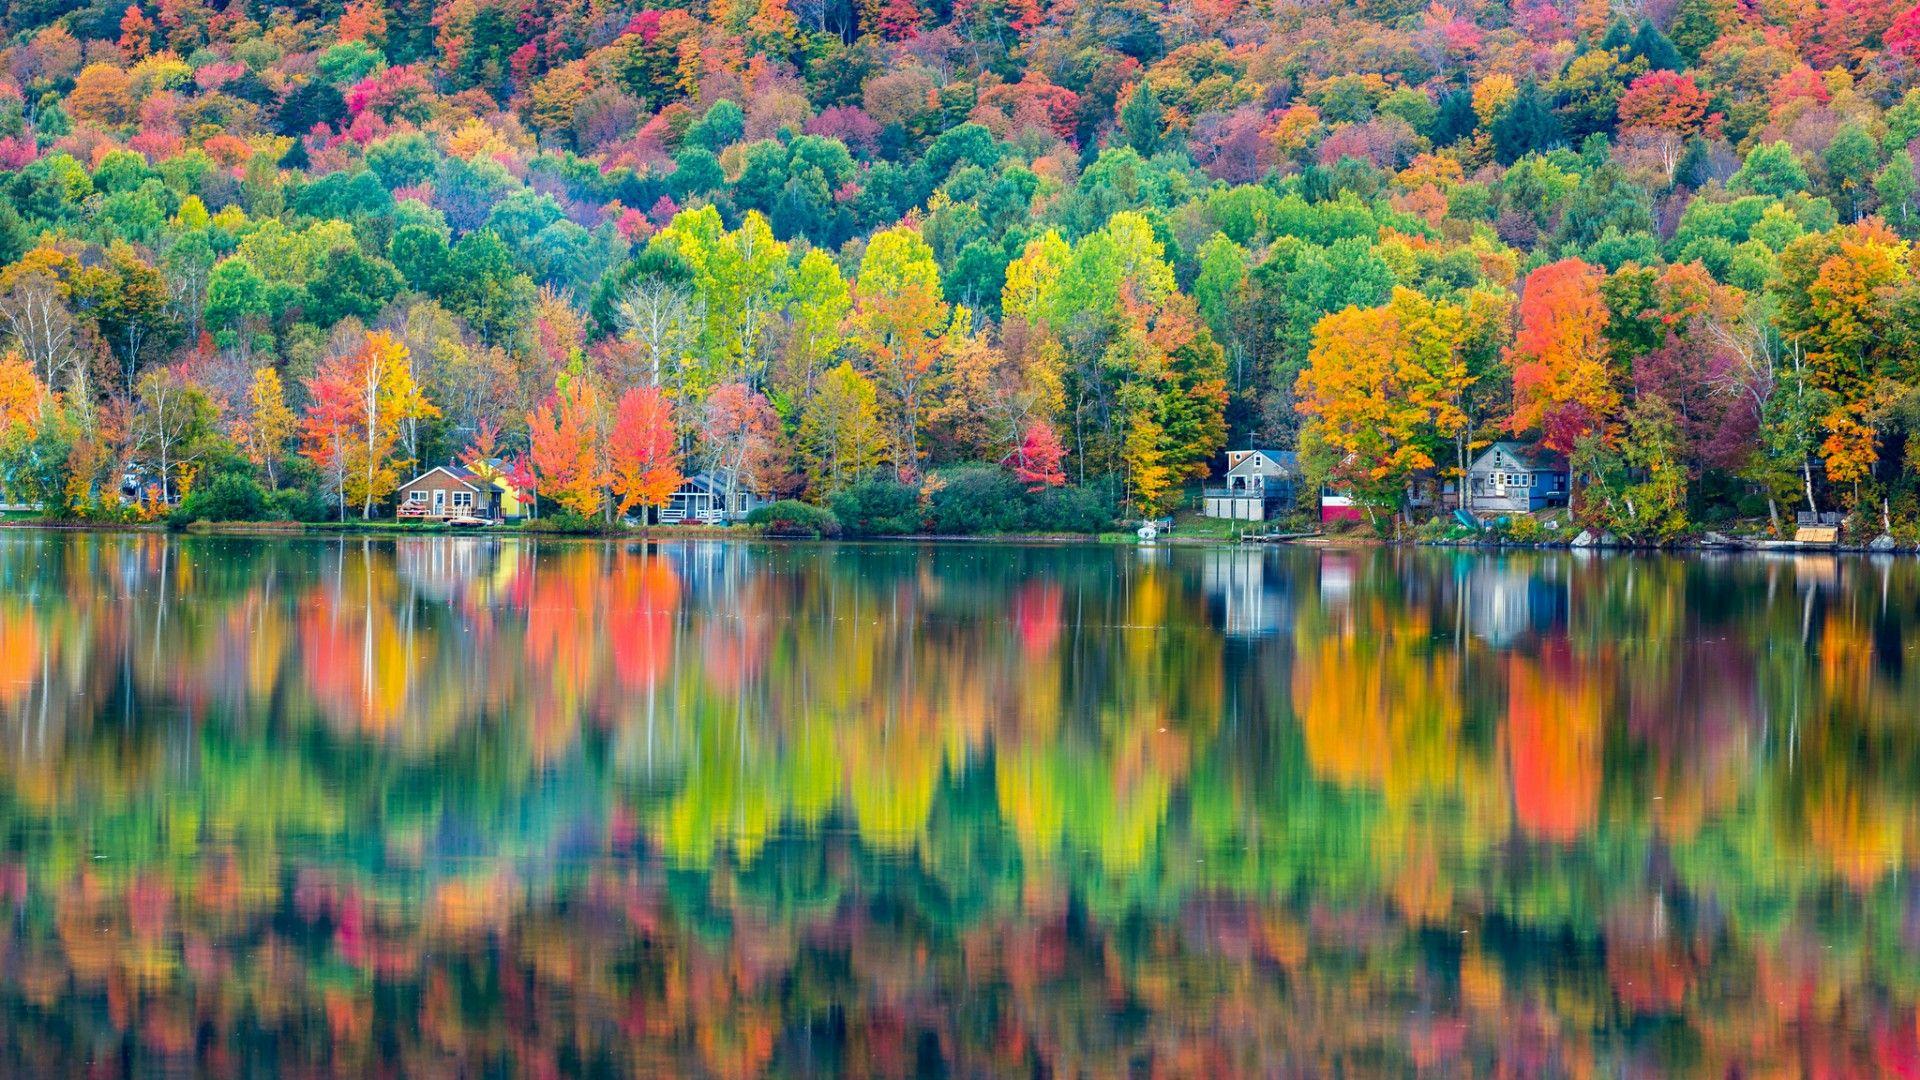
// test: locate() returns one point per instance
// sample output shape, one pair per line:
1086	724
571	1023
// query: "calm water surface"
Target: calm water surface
472	808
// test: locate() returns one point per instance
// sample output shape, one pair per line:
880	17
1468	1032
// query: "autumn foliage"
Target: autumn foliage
1564	384
645	463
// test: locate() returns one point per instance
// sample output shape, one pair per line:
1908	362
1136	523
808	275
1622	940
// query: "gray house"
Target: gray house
704	498
1259	484
1517	477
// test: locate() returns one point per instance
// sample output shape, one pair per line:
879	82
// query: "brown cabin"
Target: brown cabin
446	492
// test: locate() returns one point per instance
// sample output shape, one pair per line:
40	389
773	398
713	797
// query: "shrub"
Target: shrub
791	518
1524	529
36	465
1081	508
230	496
297	504
977	499
1444	527
566	523
878	507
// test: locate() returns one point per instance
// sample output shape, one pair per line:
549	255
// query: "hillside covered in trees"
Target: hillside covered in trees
1076	247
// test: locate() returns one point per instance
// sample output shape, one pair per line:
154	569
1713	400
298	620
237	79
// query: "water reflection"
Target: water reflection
473	806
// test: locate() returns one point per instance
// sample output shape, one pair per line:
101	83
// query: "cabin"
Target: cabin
1517	478
703	498
1258	485
447	492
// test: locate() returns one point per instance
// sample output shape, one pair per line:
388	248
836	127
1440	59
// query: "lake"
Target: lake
480	807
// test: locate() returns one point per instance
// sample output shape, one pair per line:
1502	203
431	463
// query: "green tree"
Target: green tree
134	307
484	286
1638	490
1142	118
1895	187
1851	159
350	285
1770	169
1527	125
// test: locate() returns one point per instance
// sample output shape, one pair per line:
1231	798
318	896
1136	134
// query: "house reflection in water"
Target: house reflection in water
1245	592
1336	579
447	568
1509	600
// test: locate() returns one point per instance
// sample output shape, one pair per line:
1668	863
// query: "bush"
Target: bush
36	464
1444	527
791	518
977	499
1523	529
230	496
566	523
297	504
1082	508
878	507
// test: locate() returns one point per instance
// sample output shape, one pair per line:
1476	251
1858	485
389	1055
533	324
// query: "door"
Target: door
439	503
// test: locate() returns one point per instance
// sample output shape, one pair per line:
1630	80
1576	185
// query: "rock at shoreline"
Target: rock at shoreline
1883	542
1583	540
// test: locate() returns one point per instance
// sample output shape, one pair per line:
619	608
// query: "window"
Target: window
463	500
416	496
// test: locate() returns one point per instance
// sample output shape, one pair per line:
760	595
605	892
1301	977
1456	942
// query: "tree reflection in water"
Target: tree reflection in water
459	806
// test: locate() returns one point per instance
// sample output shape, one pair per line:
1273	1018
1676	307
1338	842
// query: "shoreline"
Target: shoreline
744	534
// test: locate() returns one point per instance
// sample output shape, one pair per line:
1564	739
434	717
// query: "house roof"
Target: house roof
714	482
1532	455
1287	460
455	473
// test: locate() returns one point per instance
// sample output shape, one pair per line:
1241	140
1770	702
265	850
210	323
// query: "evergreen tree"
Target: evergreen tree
1655	48
1141	119
1527	125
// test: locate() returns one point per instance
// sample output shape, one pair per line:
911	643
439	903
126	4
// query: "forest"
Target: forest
1049	257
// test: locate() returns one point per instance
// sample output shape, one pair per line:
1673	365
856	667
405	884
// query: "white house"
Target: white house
1258	485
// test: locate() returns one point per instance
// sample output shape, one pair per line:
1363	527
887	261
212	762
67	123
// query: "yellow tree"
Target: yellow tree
900	322
1031	278
1383	389
21	392
982	403
1149	480
1833	292
268	425
362	401
840	434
